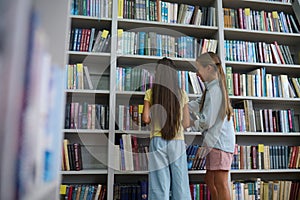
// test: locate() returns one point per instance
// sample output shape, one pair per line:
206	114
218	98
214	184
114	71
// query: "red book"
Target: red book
135	153
87	40
240	11
82	39
290	116
295	157
236	84
254	157
70	192
201	191
292	157
279	52
76	152
192	190
135	117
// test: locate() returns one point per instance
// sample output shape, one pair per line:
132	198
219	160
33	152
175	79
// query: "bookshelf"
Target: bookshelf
103	66
27	57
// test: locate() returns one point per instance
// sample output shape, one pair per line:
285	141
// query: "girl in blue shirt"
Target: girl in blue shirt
214	120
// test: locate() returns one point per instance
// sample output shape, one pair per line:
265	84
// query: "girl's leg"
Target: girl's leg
159	173
221	183
179	172
210	181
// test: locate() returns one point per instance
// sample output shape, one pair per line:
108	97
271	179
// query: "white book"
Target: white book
87	78
130	155
121	117
93	116
116	158
128	152
275	53
98	191
175	12
284	85
195	89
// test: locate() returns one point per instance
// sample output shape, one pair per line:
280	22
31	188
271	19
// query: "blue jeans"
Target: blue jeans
168	170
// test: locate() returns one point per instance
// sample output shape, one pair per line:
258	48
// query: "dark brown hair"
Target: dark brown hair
166	93
214	60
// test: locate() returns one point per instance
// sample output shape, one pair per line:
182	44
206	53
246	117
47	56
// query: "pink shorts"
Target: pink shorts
218	160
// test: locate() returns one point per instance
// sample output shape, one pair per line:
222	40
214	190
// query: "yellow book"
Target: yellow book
66	155
297	86
120	8
140	112
80	81
281	190
63	190
266	191
70	77
261	156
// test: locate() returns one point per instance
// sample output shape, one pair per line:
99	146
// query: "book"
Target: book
66	154
229	80
88	82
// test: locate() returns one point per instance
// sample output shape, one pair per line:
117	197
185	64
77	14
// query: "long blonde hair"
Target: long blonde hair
212	59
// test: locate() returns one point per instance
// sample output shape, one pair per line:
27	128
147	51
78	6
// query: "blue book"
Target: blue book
122	155
263	81
78	41
179	79
82	192
91	42
75	39
159	45
141	36
186	82
144	190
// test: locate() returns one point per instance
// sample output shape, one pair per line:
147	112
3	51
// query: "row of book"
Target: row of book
195	157
200	191
245	18
140	191
130	117
92	8
133	79
71	156
261	84
265	120
162	11
266	157
260	189
83	192
89	40
257	52
131	153
78	77
137	79
86	116
155	44
136	191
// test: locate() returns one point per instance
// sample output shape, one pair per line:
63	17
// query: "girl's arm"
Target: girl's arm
146	112
186	116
